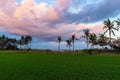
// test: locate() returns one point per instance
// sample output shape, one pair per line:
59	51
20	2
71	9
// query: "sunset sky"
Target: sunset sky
45	20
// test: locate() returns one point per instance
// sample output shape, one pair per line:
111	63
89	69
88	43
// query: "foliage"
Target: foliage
86	35
93	39
69	43
12	43
109	26
59	41
116	44
73	40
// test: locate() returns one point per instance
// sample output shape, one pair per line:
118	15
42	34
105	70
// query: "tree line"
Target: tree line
94	39
7	43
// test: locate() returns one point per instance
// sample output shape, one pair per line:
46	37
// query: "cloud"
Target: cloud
46	21
63	4
95	11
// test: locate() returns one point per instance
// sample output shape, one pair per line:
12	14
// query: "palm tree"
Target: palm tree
118	23
22	41
3	40
69	43
11	43
73	40
102	40
93	39
28	39
59	41
86	35
109	26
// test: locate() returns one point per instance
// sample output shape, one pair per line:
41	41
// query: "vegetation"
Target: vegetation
59	41
86	35
12	43
91	38
73	40
100	39
49	66
69	44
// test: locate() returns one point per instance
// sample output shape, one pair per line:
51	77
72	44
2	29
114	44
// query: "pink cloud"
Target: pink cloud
36	19
63	4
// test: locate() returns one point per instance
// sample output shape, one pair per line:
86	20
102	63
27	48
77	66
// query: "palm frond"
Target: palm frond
115	29
105	32
113	32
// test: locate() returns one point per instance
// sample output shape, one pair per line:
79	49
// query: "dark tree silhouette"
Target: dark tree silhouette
118	23
3	41
86	35
25	41
102	40
109	26
22	41
28	40
93	39
69	43
73	40
59	41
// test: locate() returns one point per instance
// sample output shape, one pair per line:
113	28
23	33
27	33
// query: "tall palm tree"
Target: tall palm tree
86	35
69	43
109	26
73	40
93	39
59	41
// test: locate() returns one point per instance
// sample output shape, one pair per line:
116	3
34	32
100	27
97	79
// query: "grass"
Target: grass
31	66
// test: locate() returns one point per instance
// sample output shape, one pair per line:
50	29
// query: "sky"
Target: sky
45	20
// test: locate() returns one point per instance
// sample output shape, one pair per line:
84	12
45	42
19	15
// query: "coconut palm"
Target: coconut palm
109	26
59	41
28	39
86	35
69	43
3	41
22	41
102	40
73	40
93	39
118	23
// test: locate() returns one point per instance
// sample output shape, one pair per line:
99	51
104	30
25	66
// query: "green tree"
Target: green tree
118	23
93	39
28	40
69	43
109	26
59	41
11	43
102	40
22	41
3	41
73	40
86	36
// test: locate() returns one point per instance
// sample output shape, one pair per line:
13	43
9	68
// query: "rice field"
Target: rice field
44	66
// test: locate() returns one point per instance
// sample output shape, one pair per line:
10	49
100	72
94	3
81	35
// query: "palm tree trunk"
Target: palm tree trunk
110	40
87	43
59	47
73	45
69	48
